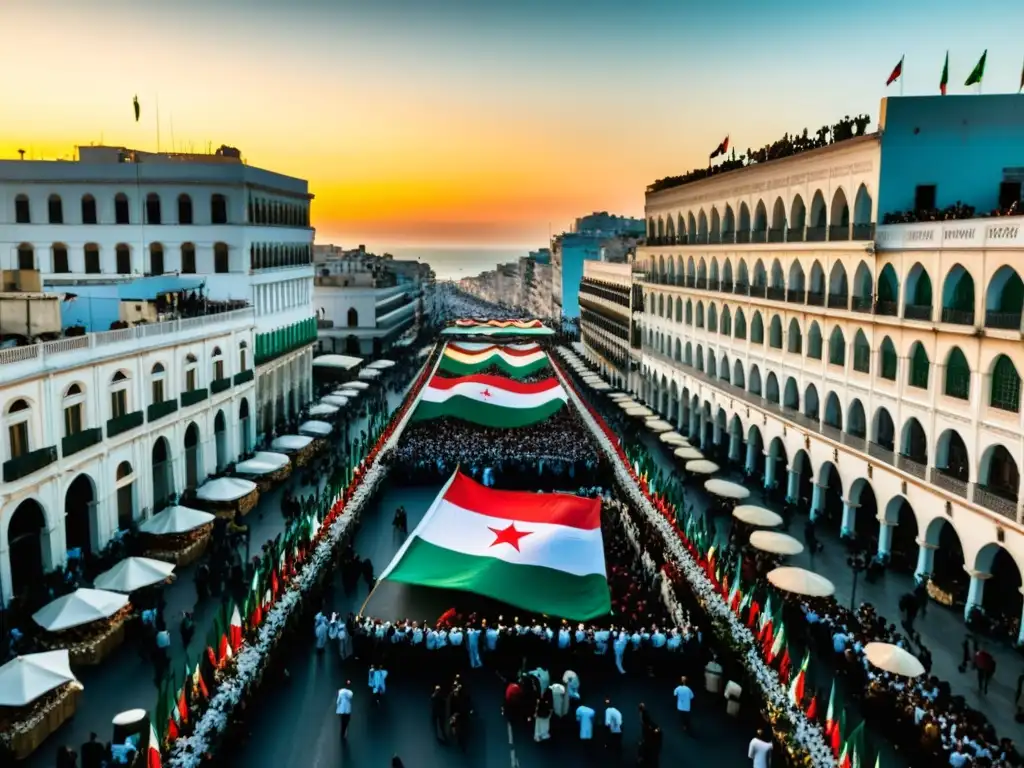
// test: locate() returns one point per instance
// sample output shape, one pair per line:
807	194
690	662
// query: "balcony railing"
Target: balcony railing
887	308
994	501
219	385
862	304
758	290
714	238
917	312
120	424
816	299
776	293
838	232
725	287
1009	321
776	235
863	231
838	301
193	396
243	376
53	349
159	410
701	284
743	236
741	288
25	465
79	441
816	234
759	236
943	479
796	296
958	316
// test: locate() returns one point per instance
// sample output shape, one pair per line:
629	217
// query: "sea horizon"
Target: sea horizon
455	262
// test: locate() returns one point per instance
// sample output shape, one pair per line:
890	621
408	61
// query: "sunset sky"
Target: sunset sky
445	122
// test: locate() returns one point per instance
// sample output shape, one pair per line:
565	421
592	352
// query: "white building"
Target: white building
100	429
611	312
367	302
867	371
116	214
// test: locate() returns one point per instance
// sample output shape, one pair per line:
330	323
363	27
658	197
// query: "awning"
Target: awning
726	489
381	364
355	385
290	443
176	520
338	362
369	373
263	463
25	678
134	573
225	489
701	467
316	428
331	401
324	409
83	606
349	393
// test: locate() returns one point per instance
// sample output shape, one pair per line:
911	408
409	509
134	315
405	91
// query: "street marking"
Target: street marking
511	748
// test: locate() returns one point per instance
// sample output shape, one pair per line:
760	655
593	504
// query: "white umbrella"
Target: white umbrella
759	516
262	463
323	409
628	403
176	520
659	425
892	658
617	396
134	573
83	606
800	581
348	393
291	443
601	387
701	467
355	385
687	453
25	678
315	428
726	489
225	489
673	438
334	401
381	364
776	543
340	362
639	411
369	373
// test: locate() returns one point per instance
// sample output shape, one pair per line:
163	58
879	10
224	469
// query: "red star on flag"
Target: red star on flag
486	393
508	536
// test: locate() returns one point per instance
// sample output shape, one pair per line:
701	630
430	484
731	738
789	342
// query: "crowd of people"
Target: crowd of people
953	212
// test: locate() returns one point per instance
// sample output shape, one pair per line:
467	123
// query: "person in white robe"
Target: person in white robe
542	718
619	646
344	641
572	684
585	717
473	647
378	682
322	632
559	700
543	678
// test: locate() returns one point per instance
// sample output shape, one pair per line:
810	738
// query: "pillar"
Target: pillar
925	559
694	423
716	433
735	445
793	487
749	465
976	592
884	536
1020	634
769	470
817	500
703	433
848	525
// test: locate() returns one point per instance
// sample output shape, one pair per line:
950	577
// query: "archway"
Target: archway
220	435
1002	597
791	396
914	444
802	492
883	430
947	566
26	539
192	456
832	489
755	448
244	440
80	515
125	484
903	547
775	468
833	411
163	476
865	517
856	421
811	405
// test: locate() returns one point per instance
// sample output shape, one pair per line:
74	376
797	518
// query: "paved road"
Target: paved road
125	680
296	724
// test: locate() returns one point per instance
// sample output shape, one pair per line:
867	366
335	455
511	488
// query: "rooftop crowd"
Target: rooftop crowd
950	213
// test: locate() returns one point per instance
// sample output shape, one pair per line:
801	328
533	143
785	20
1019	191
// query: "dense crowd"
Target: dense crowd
493	370
953	212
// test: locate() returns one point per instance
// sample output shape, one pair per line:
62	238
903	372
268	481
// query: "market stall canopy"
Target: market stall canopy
225	489
262	463
601	387
639	411
776	543
338	362
355	385
133	573
334	401
659	425
347	393
325	409
726	489
687	453
617	396
315	428
800	581
83	606
627	403
701	467
369	373
25	678
381	364
291	443
759	516
892	658
176	520
673	438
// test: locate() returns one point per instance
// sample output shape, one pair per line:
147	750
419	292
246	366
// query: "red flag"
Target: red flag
721	149
812	708
896	74
235	630
153	753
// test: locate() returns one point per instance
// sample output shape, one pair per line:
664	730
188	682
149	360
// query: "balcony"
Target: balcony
244	376
193	396
120	424
725	287
796	296
816	234
1009	321
743	236
159	410
917	312
758	290
863	231
838	301
729	236
741	289
776	293
270	346
887	308
759	236
839	232
701	284
79	441
25	465
862	304
795	235
219	385
816	299
701	238
777	235
958	316
714	238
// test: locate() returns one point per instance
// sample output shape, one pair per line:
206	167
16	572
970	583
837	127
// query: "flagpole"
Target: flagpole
903	74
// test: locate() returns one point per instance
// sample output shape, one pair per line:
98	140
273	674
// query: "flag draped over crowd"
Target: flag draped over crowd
515	360
491	401
541	552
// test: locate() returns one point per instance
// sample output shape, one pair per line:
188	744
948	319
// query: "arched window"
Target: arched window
188	258
122	211
59	254
119	389
353	318
218	209
17	420
243	358
220	258
184	209
74	410
919	365
775	333
26	256
814	342
861	353
158	380
958	376
156	259
726	325
795	337
740	325
153	208
92	259
191	373
89	210
55	208
22	210
689	312
1005	393
218	364
888	359
757	329
837	347
123	255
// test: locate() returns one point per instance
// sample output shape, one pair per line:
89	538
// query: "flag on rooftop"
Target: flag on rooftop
721	149
541	552
978	72
945	76
896	73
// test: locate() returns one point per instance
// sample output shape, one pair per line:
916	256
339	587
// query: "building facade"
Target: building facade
611	311
118	214
865	370
597	237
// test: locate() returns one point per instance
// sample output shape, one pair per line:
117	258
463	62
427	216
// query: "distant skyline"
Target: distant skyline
468	124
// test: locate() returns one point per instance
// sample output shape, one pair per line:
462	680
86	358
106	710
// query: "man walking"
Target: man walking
438	712
343	708
684	699
613	724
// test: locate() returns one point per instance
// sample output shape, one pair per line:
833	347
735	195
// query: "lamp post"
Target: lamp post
858	563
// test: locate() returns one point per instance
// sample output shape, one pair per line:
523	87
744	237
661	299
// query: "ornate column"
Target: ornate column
976	592
849	518
925	559
793	486
884	535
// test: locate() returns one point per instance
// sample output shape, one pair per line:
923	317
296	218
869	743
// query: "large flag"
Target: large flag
541	552
491	401
945	76
978	72
896	74
721	149
517	363
472	323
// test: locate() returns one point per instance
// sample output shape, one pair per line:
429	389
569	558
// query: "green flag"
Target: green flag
945	76
978	72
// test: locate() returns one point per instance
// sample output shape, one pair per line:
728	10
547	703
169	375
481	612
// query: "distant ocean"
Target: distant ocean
456	263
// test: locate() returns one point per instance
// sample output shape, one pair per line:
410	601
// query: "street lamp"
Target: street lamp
858	563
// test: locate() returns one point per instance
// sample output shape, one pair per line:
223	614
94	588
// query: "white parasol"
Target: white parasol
639	411
291	443
369	373
176	520
83	606
134	573
381	364
800	581
701	467
323	409
225	489
262	463
892	658
776	543
25	678
315	428
673	438
758	516
687	453
726	489
659	425
355	385
339	362
333	401
628	403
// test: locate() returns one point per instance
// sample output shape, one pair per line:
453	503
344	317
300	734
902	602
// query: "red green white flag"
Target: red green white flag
153	751
517	361
845	761
796	688
235	630
491	401
777	645
830	713
541	552
812	708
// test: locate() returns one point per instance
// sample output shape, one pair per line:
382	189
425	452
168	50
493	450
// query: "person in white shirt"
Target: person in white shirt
585	717
684	698
343	707
377	682
760	751
613	724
